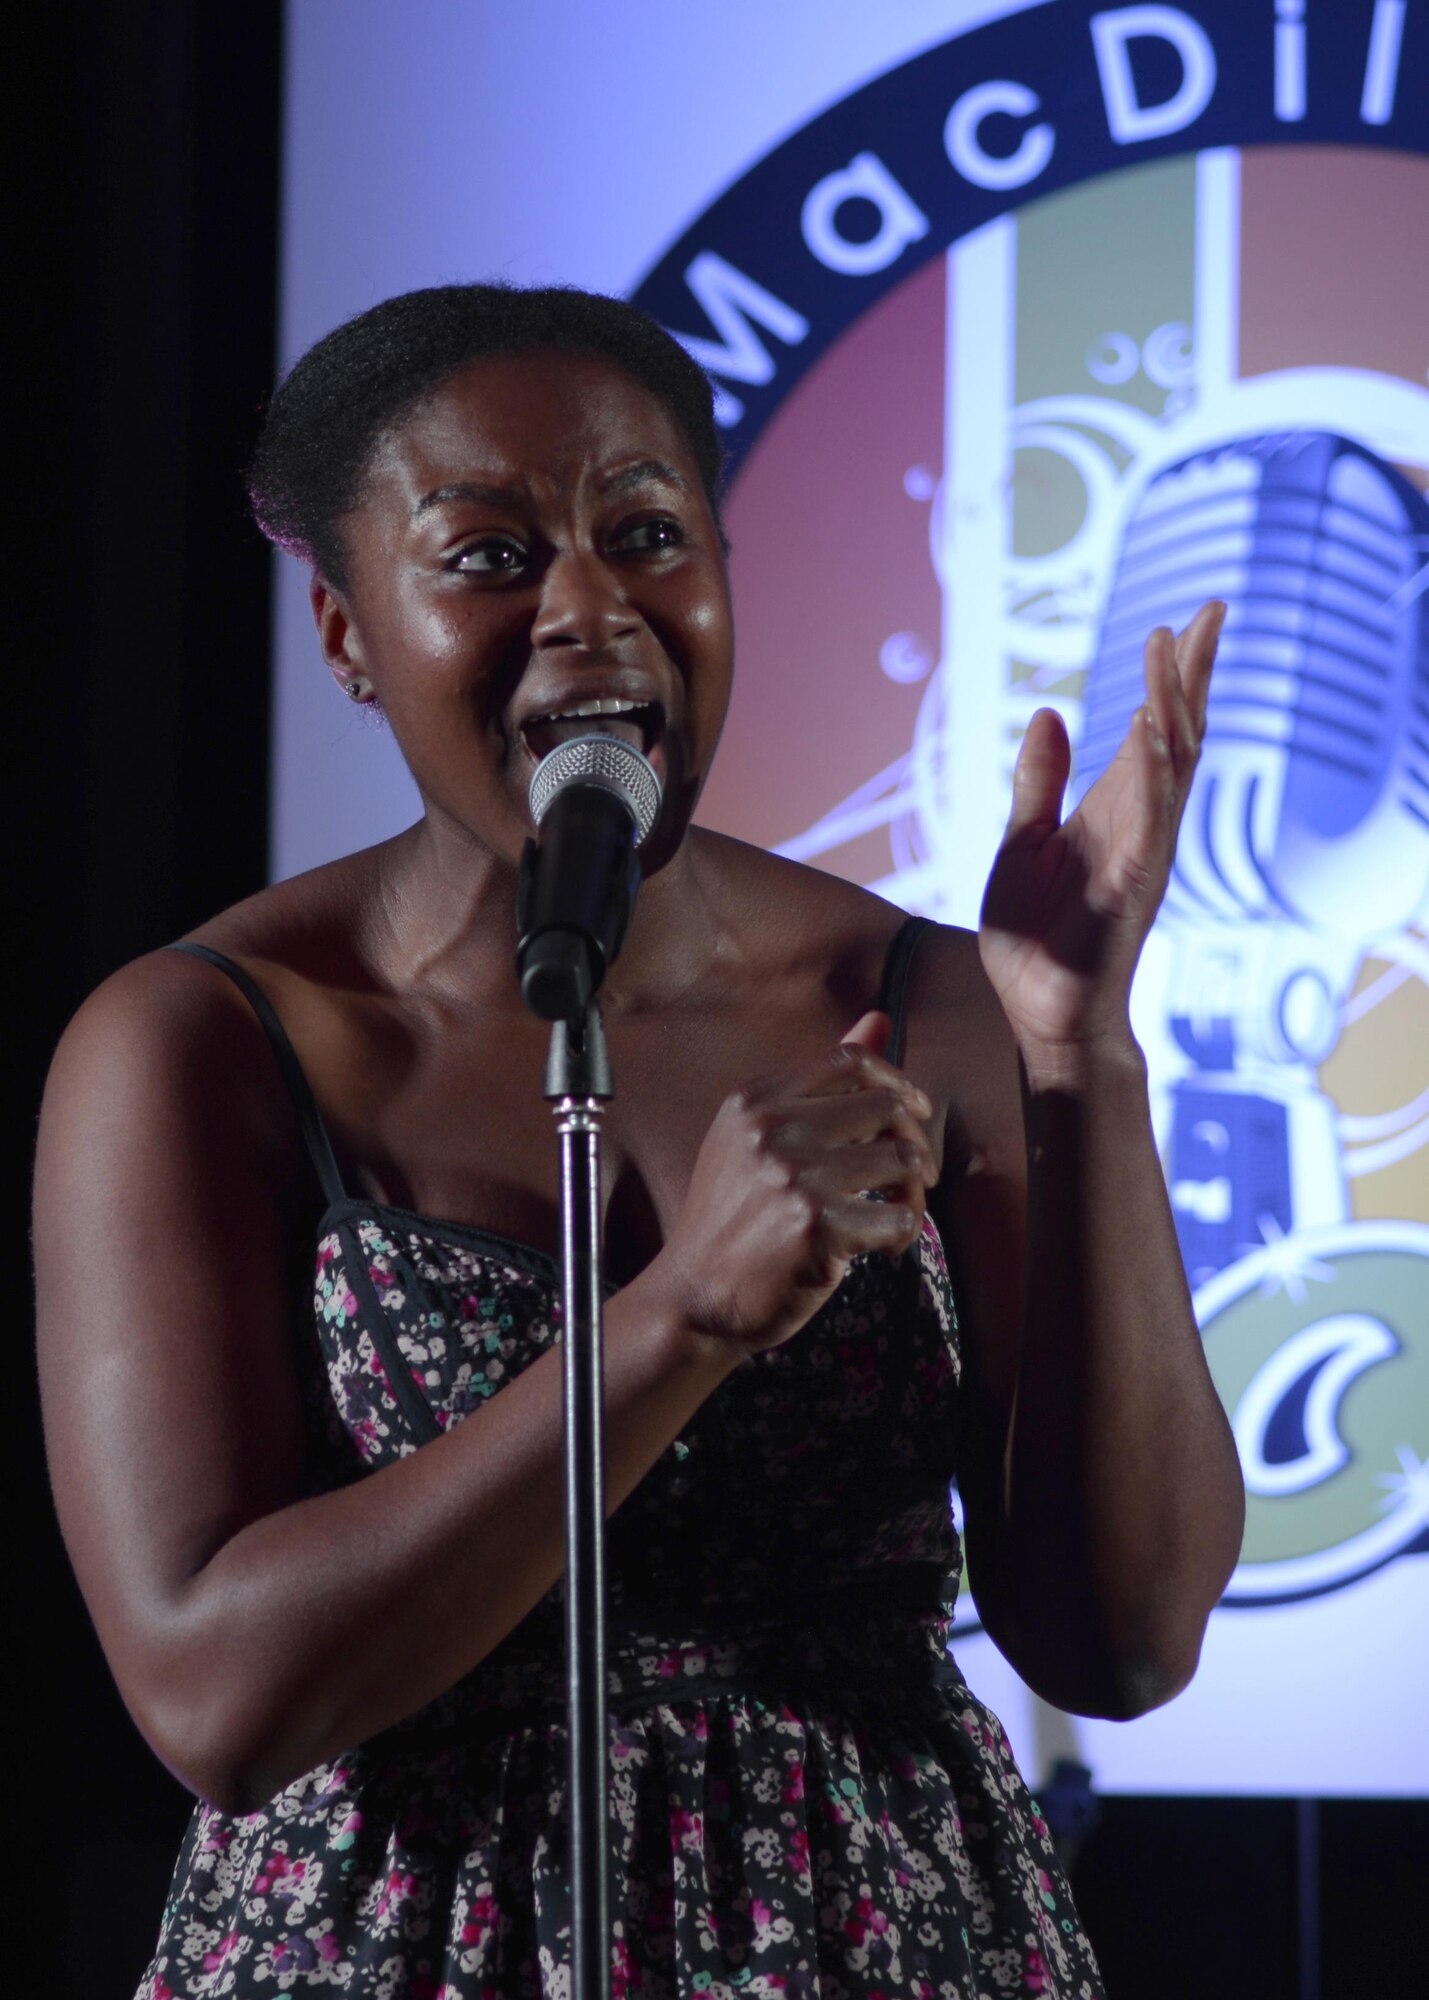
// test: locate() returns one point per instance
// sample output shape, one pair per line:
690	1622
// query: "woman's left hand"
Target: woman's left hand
1068	904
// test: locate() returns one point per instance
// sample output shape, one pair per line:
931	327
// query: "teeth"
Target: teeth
604	705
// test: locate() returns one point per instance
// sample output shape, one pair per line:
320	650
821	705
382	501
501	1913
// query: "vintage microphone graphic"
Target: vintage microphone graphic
1307	832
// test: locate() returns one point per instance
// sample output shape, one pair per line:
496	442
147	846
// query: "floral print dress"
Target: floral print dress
805	1799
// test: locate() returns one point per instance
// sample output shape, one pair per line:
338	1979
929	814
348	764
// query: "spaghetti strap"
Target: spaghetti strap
893	997
315	1132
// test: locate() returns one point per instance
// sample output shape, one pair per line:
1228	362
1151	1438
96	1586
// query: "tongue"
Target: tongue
545	734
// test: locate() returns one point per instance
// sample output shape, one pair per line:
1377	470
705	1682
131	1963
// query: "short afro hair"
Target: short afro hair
328	415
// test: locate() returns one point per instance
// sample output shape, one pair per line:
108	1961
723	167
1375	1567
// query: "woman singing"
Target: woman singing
297	1210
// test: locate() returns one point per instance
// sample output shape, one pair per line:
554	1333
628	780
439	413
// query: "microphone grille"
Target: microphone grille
607	761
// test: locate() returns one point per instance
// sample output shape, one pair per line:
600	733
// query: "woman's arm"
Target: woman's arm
1104	1503
255	1632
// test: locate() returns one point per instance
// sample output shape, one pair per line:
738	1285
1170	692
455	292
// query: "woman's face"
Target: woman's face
532	540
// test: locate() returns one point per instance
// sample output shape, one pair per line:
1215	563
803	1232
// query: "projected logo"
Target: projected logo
1305	849
1081	419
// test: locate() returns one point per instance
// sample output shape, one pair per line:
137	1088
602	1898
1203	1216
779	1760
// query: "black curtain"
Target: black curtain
148	196
139	706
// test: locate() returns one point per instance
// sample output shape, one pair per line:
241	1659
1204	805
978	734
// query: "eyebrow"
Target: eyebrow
466	489
649	471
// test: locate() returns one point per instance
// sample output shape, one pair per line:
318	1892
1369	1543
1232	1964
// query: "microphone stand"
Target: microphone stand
593	799
578	1086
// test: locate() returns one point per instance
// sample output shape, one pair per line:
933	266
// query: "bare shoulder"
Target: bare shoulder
168	1049
171	1195
165	1052
312	926
956	1046
171	1188
955	1026
802	917
949	995
959	1048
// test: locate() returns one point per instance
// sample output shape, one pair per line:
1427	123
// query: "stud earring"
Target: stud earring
356	688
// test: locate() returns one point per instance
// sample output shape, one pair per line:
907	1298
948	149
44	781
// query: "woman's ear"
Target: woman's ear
339	638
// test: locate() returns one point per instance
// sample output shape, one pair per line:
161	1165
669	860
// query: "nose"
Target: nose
583	604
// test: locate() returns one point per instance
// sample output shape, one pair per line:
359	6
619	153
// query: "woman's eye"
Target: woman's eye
660	531
493	555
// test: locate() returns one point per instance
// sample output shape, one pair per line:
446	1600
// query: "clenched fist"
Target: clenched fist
779	1203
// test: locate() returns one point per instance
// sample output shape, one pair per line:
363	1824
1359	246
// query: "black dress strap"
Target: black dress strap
893	998
315	1133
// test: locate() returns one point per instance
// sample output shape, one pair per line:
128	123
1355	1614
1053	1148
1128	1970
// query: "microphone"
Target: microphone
594	800
1306	837
1312	802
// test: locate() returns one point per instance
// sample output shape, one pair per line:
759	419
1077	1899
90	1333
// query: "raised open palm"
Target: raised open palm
1069	903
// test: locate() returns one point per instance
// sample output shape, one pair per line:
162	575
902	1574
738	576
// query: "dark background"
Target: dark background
139	709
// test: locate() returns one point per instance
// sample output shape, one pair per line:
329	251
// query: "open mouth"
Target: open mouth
639	723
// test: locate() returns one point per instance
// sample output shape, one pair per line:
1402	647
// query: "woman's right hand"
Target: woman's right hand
778	1204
